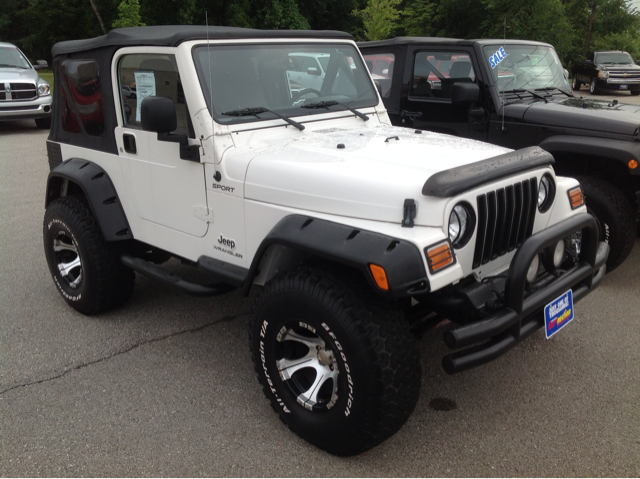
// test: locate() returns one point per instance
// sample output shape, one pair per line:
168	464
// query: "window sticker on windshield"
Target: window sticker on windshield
145	86
497	57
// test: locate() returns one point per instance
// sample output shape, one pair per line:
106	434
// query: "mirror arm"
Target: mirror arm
187	152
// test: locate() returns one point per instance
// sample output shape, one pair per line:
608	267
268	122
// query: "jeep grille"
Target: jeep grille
18	91
505	220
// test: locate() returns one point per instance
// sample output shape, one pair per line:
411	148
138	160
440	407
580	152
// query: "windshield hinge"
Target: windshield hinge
409	213
203	213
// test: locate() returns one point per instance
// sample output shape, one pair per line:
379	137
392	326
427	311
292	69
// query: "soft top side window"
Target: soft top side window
150	74
434	74
82	99
380	66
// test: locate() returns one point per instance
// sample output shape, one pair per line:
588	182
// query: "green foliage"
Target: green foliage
572	26
418	18
128	15
380	18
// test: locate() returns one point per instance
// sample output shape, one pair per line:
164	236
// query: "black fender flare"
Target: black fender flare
620	151
99	191
350	246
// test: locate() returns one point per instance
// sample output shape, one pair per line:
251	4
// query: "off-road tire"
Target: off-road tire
378	380
616	217
575	84
593	87
98	281
43	123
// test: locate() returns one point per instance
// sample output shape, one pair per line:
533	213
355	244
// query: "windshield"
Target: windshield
290	79
12	58
525	67
617	58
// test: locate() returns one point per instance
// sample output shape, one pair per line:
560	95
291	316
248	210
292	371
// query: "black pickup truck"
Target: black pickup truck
613	70
515	93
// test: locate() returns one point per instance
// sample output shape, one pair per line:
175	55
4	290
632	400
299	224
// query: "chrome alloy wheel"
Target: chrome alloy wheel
307	366
67	259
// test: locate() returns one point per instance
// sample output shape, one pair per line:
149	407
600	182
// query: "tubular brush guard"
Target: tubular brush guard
522	316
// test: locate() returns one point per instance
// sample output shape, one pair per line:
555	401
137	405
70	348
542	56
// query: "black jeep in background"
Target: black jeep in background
607	71
514	93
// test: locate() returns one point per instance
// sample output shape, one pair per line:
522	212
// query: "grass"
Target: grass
47	75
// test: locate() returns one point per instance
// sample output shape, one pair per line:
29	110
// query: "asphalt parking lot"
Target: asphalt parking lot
165	385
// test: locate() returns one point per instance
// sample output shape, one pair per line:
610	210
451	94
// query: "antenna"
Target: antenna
504	39
216	174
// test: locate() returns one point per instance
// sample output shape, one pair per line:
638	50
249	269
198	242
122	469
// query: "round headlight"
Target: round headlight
533	269
44	89
546	193
461	223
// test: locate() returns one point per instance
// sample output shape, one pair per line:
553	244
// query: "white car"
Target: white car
23	94
358	235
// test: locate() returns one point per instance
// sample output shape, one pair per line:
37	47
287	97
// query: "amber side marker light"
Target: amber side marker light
439	256
633	164
576	198
379	276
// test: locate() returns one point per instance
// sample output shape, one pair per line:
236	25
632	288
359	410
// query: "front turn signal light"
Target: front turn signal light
633	164
439	256
379	276
576	198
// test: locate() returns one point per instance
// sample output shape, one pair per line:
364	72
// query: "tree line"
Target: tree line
574	27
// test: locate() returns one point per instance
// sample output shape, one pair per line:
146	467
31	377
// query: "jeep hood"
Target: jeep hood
595	116
365	173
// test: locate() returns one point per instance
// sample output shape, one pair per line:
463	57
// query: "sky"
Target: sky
636	3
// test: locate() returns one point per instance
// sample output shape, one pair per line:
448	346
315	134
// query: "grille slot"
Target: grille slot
505	220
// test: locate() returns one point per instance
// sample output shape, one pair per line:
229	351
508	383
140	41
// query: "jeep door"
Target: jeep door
161	187
432	72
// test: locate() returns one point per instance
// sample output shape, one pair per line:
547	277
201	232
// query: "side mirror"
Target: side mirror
313	71
41	65
158	113
588	62
463	93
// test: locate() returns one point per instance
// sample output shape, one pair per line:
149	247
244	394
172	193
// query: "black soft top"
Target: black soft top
444	41
173	35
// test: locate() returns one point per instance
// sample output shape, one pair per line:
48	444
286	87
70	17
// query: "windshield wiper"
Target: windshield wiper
553	88
327	104
6	65
257	110
531	92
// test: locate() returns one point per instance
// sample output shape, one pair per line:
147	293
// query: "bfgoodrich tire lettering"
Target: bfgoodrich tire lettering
615	215
85	269
338	365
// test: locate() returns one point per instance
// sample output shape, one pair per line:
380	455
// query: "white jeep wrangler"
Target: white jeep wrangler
358	234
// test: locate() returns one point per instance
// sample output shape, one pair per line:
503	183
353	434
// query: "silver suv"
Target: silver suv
23	94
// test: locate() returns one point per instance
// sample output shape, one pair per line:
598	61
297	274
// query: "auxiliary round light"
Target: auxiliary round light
533	269
558	254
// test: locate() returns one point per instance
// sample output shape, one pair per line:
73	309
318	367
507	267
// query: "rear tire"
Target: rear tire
575	84
616	217
85	268
361	376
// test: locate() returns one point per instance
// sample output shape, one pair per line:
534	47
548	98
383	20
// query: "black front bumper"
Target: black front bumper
521	316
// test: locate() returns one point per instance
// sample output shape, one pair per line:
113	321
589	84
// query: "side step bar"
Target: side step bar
158	273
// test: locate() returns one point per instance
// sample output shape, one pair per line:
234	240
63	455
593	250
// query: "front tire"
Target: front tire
593	87
85	268
43	123
616	217
338	365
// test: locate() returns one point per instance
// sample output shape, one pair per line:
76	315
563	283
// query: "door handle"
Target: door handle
129	143
410	114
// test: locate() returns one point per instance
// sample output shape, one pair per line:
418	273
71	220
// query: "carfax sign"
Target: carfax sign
558	313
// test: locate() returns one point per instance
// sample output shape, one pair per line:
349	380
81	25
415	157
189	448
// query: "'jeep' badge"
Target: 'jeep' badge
7	87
